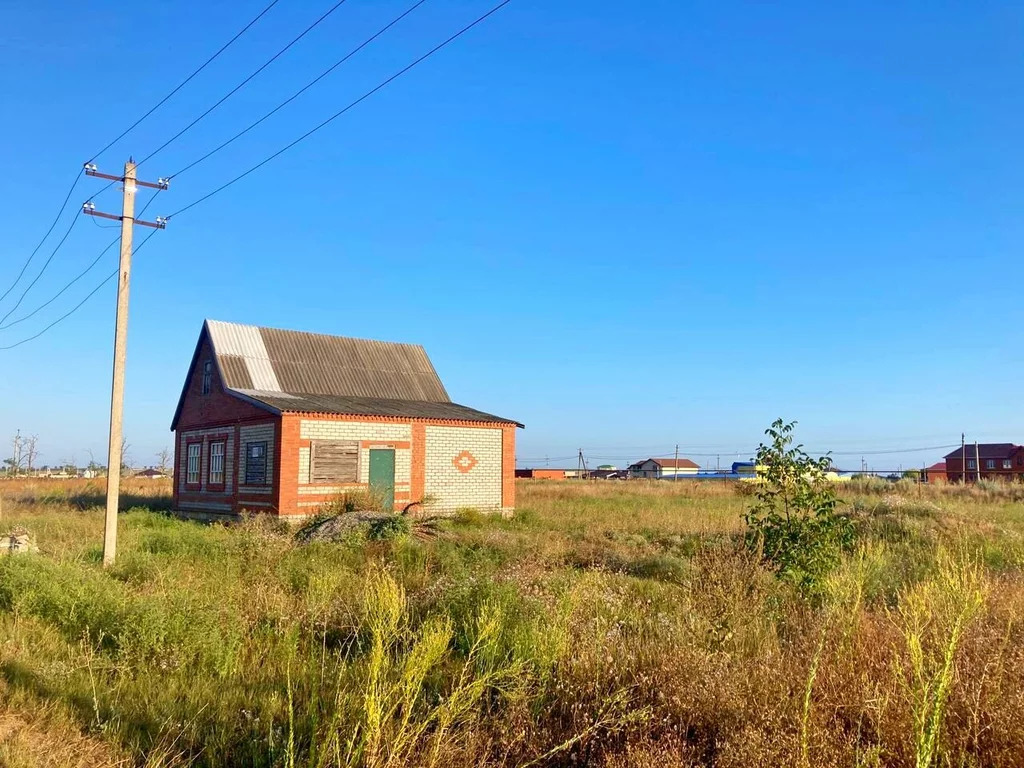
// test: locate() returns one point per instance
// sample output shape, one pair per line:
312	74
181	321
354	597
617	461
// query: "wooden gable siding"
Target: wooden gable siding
218	407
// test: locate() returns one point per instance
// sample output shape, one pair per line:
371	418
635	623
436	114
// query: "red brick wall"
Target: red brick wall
418	480
954	467
508	467
218	407
538	474
286	474
199	411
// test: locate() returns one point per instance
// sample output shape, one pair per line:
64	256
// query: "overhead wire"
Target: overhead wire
77	277
184	82
242	84
35	250
342	111
80	304
120	136
302	90
35	280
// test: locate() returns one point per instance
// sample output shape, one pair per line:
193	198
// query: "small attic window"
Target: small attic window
207	376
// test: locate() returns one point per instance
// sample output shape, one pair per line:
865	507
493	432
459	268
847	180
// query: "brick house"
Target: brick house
998	461
282	421
656	468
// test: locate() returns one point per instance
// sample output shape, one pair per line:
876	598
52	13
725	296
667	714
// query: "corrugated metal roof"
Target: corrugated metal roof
332	374
370	406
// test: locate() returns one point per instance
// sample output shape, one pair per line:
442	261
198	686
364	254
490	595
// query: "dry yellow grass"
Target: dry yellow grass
608	624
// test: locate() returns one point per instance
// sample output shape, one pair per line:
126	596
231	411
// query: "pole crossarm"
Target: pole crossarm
91	170
90	210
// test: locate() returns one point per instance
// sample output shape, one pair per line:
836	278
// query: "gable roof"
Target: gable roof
939	466
294	371
669	463
986	451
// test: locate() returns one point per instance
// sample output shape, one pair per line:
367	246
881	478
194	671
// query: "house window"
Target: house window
333	461
256	463
216	473
1007	464
207	376
990	463
970	464
195	451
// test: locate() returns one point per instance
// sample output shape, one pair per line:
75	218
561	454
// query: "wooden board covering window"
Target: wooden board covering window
334	461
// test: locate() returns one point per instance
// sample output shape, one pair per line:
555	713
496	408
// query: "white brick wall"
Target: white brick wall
229	458
481	486
311	429
257	433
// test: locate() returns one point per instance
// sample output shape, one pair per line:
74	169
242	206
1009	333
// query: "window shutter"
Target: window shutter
333	461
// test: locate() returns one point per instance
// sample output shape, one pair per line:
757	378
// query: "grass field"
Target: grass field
607	624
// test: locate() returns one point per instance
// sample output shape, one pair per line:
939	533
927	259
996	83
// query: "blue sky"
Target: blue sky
625	226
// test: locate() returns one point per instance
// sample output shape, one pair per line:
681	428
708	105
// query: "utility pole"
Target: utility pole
128	222
977	460
676	475
963	458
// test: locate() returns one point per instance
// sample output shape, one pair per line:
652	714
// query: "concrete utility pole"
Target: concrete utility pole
977	459
963	457
676	475
120	355
128	222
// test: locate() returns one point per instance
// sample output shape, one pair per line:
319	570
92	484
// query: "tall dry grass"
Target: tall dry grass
606	624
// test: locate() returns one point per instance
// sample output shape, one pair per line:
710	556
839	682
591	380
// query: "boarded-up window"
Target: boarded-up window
256	463
334	461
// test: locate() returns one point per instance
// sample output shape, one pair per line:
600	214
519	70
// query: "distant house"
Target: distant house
936	473
657	468
541	474
151	473
282	421
997	461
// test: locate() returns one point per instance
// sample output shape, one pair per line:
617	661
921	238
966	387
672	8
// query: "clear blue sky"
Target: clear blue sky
625	225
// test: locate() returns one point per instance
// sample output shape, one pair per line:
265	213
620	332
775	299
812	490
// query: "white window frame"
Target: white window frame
990	463
215	473
193	472
1007	463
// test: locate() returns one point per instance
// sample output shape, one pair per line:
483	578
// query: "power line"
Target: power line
302	90
40	244
77	277
895	450
341	112
184	82
79	305
53	253
238	87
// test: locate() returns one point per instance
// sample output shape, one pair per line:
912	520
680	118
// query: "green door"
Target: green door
382	476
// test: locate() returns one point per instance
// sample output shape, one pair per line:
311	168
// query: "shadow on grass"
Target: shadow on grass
22	677
127	501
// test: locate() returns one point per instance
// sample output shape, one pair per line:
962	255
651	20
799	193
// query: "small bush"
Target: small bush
794	525
471	517
356	500
388	528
